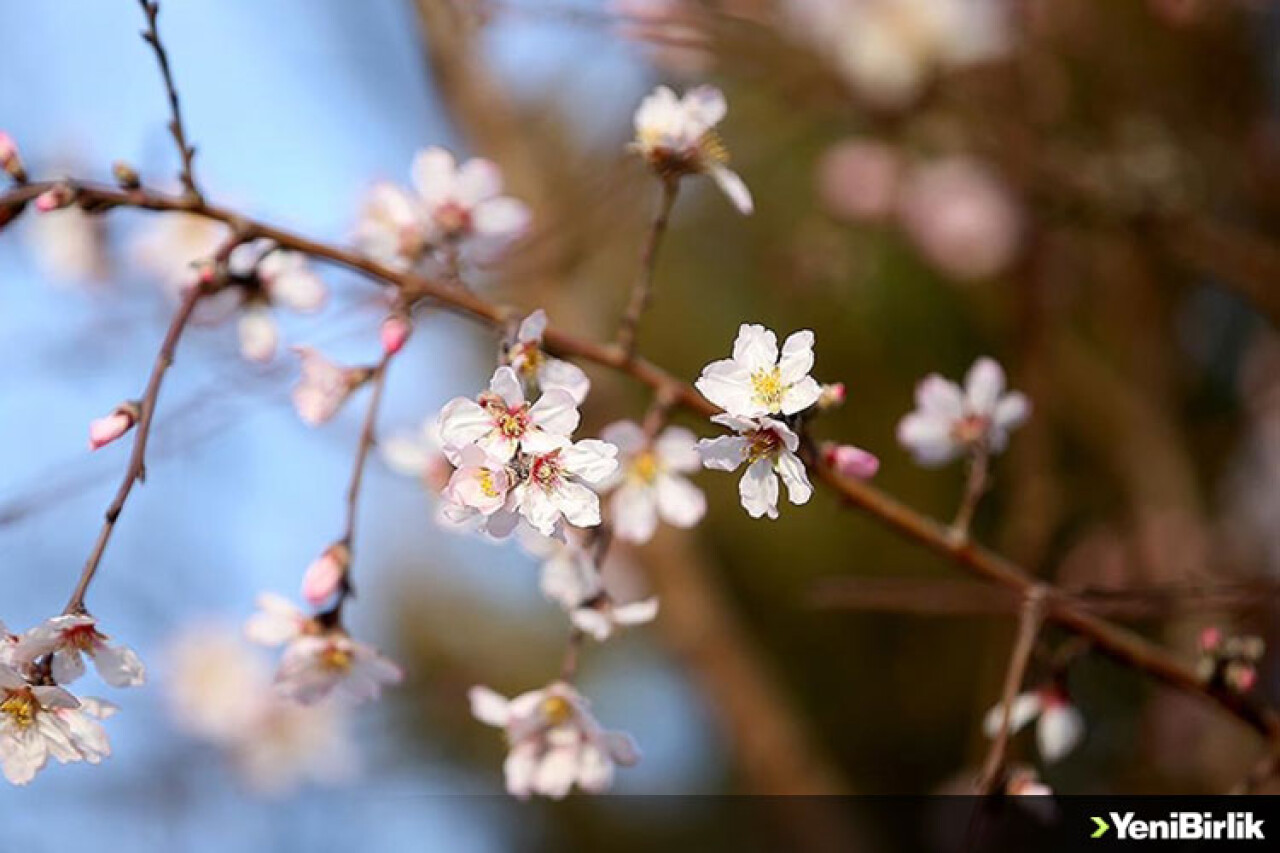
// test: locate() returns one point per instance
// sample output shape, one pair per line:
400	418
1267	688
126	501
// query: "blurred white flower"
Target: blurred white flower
889	50
464	202
418	453
554	741
949	421
601	616
532	363
676	136
173	243
768	447
69	245
265	277
324	386
756	381
962	218
1059	725
650	482
392	229
71	637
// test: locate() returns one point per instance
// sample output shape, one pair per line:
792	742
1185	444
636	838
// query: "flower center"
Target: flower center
511	422
645	467
20	706
527	357
336	658
546	470
762	444
970	429
486	484
453	219
82	637
766	387
556	710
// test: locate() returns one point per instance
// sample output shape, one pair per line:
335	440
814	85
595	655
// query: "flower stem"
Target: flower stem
642	292
975	487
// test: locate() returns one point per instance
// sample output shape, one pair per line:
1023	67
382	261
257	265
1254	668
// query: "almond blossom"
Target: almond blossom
391	229
108	428
418	453
500	421
173	243
553	485
31	731
554	741
676	136
768	447
68	639
949	421
324	386
650	484
86	733
533	364
318	660
1059	726
569	573
757	381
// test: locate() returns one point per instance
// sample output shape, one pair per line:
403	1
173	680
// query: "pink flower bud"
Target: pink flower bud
325	576
54	199
10	160
1244	677
1210	639
395	331
850	461
105	430
832	396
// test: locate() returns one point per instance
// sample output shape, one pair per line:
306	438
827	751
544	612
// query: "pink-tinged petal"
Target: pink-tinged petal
595	770
433	174
937	396
1025	708
795	477
10	679
394	333
797	357
727	384
566	376
1060	728
119	666
800	396
705	106
506	384
755	348
983	386
758	490
590	459
725	453
463	422
68	665
677	449
850	461
790	441
532	327
734	188
478	180
627	436
636	612
1012	411
634	512
538	509
259	336
556	412
55	697
928	438
501	218
489	707
556	772
519	768
580	505
681	503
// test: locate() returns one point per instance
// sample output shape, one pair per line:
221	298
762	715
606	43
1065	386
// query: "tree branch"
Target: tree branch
1029	621
186	152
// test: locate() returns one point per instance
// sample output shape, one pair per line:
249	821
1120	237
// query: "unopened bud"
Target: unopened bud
126	176
831	397
55	198
1210	639
849	461
395	331
10	160
326	575
1241	676
105	430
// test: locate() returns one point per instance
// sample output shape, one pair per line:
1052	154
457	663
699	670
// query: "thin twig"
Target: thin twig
135	472
1029	621
1116	642
642	292
974	488
186	152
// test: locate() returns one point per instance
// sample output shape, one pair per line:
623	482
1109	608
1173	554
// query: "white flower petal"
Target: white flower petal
794	475
680	502
1060	728
634	513
489	707
1025	708
983	386
724	453
734	188
758	490
755	348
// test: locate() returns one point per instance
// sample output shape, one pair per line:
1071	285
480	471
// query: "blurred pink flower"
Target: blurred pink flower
858	179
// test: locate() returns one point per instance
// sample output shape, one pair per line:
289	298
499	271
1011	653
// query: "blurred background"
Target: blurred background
1087	190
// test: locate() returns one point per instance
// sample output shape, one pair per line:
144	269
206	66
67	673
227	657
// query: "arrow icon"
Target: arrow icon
1103	826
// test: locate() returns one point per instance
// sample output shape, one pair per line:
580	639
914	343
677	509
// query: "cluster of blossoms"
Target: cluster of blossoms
39	718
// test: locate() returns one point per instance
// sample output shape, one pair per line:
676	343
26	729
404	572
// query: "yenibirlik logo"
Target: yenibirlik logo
1182	826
